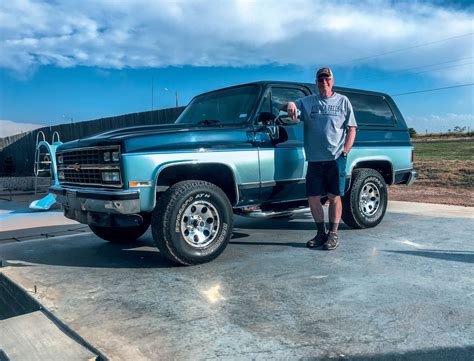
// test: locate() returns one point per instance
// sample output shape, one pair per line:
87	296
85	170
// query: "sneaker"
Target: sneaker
332	241
318	240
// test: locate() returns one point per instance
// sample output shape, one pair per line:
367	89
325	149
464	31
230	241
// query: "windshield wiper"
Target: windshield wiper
208	122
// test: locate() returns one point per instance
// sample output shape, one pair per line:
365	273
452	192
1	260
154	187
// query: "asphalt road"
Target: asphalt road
401	291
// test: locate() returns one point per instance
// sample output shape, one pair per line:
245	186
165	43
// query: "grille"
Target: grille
83	157
85	166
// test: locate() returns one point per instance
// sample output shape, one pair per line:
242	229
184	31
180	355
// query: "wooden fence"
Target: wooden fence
17	151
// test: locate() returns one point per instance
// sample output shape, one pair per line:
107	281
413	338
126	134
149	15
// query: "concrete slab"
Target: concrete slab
33	336
24	219
18	223
403	290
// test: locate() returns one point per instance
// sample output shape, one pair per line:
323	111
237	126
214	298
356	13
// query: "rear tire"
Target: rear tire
122	234
364	205
192	222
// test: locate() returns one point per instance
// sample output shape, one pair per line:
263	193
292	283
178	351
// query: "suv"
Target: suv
231	151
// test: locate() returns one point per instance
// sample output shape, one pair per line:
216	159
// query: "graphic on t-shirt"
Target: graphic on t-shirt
325	109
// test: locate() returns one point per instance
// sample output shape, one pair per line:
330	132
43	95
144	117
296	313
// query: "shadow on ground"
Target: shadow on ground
446	255
439	354
88	251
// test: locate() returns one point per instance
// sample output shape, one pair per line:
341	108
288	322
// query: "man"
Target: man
329	133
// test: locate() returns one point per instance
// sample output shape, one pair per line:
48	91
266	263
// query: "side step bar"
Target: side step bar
253	212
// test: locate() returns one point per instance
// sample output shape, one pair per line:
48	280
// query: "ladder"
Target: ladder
45	157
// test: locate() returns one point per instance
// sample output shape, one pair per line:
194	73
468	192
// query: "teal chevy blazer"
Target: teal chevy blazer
231	151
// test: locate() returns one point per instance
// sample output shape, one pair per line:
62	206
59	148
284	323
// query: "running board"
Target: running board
251	212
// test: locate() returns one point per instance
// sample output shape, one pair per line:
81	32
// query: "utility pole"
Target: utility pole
177	103
152	90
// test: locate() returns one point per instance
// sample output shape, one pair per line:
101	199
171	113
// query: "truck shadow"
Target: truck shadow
456	256
88	252
300	223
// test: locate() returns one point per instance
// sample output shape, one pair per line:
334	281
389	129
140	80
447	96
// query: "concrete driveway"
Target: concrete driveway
401	291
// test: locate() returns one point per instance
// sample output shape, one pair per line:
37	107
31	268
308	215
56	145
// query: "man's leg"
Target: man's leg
318	216
314	189
316	208
336	184
335	212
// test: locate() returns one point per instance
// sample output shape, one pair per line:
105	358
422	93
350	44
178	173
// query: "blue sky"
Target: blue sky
63	61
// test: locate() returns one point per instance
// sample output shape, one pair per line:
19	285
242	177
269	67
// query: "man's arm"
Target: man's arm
291	109
350	137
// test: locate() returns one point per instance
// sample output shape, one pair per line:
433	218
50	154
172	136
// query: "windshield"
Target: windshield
229	106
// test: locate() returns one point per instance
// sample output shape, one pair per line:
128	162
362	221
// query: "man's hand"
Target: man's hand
292	110
350	137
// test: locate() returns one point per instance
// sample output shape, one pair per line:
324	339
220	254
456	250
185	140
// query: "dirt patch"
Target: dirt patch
446	173
442	195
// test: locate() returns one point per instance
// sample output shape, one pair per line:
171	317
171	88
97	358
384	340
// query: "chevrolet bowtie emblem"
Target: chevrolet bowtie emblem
76	167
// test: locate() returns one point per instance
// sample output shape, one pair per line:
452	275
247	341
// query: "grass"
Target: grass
460	149
445	163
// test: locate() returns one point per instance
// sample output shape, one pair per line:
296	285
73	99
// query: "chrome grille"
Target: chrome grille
85	166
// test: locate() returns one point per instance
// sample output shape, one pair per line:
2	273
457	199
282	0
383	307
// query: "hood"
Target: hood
166	137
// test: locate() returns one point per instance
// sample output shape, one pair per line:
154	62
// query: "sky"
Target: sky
65	61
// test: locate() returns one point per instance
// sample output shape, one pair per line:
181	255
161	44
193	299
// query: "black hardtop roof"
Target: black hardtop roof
308	85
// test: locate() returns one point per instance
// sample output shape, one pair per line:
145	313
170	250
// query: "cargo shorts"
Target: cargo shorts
326	177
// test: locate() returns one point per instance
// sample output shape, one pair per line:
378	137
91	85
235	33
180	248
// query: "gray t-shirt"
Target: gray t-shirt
325	125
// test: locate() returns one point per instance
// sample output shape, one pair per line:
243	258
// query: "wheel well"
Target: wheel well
218	174
382	166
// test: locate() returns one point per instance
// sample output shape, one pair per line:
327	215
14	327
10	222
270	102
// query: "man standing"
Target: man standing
329	133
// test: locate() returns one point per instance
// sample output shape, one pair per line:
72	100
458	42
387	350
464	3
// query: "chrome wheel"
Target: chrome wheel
369	199
200	224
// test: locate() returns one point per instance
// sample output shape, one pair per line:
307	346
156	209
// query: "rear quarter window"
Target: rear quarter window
371	110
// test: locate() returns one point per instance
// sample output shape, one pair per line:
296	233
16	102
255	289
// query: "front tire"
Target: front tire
364	205
192	222
122	234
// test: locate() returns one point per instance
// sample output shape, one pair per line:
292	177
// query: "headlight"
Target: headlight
111	176
61	175
60	159
115	156
106	156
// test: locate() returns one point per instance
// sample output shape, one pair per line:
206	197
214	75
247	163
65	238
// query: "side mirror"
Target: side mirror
284	119
266	118
274	131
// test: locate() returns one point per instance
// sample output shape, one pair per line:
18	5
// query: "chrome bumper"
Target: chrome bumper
412	178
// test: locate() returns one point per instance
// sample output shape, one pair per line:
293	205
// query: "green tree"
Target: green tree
459	129
412	132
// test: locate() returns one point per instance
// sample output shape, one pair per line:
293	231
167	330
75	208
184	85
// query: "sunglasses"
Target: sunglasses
324	78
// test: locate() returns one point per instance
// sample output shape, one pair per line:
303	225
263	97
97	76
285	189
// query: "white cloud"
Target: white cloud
118	34
7	128
440	123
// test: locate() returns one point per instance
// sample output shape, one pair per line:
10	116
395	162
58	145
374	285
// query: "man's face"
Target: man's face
325	84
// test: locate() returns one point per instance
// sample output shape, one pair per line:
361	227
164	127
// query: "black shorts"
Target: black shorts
326	177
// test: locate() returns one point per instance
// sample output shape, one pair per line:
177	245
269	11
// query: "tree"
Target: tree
412	132
459	129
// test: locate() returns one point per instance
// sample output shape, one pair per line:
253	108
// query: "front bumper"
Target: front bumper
107	208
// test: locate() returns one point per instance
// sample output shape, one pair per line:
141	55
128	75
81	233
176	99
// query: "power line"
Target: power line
432	90
403	49
412	68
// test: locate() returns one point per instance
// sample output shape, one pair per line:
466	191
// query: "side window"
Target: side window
280	96
371	110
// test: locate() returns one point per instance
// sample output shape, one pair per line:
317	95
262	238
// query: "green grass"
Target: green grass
445	150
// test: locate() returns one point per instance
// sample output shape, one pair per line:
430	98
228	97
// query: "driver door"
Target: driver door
282	159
